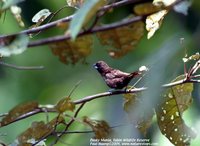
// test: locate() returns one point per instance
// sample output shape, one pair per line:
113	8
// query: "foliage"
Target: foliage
75	44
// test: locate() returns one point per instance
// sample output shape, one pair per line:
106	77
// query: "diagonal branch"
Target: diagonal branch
91	31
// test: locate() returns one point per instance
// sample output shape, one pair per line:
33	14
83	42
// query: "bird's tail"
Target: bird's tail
135	74
141	70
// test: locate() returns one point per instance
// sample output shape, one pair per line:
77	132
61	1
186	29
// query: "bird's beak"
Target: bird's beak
95	66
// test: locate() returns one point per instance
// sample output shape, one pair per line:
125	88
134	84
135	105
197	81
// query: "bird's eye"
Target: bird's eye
95	65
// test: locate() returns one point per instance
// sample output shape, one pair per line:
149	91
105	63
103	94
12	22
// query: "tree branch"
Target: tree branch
93	97
99	28
91	31
68	18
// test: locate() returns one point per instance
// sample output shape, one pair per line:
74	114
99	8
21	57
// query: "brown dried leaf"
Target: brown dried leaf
64	105
145	8
169	113
62	25
100	128
18	111
72	52
38	130
123	39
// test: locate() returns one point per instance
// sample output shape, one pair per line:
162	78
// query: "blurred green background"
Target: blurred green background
163	53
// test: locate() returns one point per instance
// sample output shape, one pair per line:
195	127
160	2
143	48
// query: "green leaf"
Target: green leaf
169	113
83	15
9	3
13	45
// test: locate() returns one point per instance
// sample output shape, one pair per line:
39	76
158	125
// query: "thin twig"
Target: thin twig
91	131
74	132
36	111
21	67
74	88
42	27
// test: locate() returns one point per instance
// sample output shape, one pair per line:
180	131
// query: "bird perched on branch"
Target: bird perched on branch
115	78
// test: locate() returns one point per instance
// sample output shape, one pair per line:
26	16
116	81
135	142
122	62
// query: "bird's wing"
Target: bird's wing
109	76
115	82
118	73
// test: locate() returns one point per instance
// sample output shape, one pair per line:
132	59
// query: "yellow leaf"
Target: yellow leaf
64	105
154	21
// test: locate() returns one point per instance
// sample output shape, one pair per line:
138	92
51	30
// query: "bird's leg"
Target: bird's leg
114	90
111	90
126	89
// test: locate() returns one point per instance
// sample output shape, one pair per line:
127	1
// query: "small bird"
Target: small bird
114	78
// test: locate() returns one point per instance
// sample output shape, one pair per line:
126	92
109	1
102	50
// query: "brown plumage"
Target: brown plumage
114	78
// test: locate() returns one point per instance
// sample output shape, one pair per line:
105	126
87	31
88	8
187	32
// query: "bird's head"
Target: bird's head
101	66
